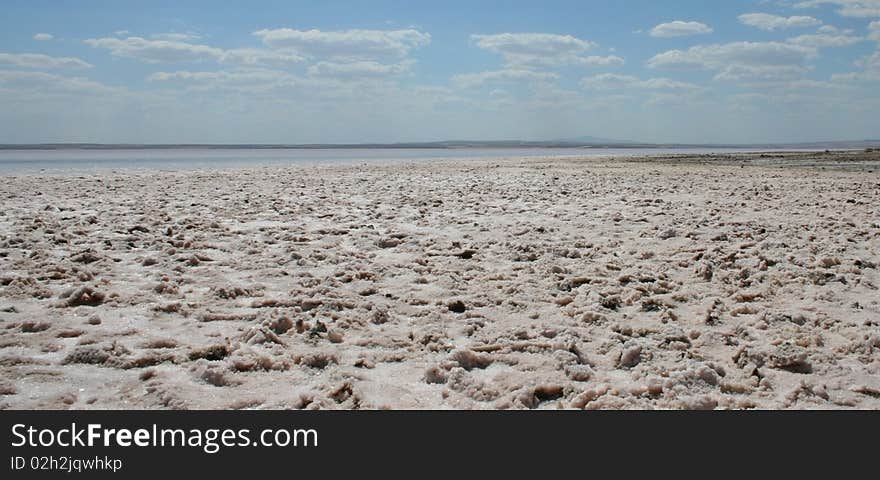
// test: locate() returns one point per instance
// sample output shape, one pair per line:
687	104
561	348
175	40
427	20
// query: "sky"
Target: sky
743	71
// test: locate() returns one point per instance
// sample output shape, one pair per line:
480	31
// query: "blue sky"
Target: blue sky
387	71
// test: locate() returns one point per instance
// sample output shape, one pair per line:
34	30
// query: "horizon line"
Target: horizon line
863	143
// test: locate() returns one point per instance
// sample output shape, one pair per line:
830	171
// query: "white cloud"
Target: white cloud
870	70
714	57
597	61
340	71
610	81
357	70
740	61
846	77
847	8
825	40
680	28
156	51
290	95
40	61
244	82
524	50
353	83
871	65
352	44
169	51
47	83
43	37
253	56
768	22
502	76
175	37
182	75
874	29
532	44
238	76
740	73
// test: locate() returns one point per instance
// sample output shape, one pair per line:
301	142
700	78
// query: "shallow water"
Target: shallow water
81	160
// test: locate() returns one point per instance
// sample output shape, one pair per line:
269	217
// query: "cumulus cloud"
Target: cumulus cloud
249	82
353	44
847	8
183	75
324	78
822	40
532	44
174	37
357	69
156	51
610	81
522	50
718	56
740	60
874	29
239	76
870	70
679	28
597	61
872	65
740	73
171	51
254	56
276	87
47	83
40	61
768	22
502	76
43	37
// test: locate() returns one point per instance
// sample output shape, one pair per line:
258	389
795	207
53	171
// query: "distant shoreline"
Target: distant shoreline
447	145
66	162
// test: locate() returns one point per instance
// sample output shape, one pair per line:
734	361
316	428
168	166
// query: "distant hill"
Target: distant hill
594	140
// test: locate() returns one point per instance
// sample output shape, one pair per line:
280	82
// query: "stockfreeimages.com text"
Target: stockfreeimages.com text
209	440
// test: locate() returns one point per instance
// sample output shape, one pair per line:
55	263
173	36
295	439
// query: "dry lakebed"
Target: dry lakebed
732	281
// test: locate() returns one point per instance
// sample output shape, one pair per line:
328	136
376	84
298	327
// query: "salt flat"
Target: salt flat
727	281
